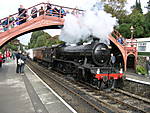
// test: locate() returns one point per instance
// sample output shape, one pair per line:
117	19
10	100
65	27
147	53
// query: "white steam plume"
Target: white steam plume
94	22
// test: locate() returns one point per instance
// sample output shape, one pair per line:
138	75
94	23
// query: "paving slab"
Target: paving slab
13	94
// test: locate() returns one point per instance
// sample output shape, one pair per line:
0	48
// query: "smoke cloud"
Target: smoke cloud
94	21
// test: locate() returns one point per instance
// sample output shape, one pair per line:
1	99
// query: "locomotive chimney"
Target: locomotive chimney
95	39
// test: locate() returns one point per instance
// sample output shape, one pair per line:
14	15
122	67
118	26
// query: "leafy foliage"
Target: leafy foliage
147	24
137	6
124	29
11	46
41	38
138	20
141	70
116	8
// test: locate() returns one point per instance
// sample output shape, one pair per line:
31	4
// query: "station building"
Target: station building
143	46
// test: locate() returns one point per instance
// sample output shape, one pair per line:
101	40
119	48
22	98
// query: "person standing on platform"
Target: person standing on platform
1	59
18	68
112	60
13	55
148	66
23	60
8	54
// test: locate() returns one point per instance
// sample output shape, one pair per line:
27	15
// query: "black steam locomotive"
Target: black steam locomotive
89	63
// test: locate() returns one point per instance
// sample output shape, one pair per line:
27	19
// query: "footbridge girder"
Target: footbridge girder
37	23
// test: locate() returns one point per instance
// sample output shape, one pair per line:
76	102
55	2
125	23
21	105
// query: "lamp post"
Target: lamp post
132	30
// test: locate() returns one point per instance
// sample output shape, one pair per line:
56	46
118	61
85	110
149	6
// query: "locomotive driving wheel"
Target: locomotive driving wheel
103	85
109	84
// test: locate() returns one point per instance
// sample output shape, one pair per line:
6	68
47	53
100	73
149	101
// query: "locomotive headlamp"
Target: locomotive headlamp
121	70
98	71
110	47
102	61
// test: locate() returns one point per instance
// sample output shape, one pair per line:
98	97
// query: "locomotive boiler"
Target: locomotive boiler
96	53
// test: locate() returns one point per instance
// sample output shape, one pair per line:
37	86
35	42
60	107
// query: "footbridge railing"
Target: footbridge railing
30	13
125	42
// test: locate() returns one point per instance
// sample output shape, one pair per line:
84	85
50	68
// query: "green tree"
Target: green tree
34	38
135	19
147	21
41	41
116	8
41	38
124	29
11	46
137	6
147	24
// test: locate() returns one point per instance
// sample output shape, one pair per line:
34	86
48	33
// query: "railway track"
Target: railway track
115	101
118	99
122	102
77	99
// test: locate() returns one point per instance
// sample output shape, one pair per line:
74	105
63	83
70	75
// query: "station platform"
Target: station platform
27	93
138	78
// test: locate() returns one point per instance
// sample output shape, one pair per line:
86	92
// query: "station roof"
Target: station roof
143	39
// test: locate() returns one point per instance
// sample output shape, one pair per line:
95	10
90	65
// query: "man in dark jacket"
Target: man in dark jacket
18	69
23	60
112	59
22	14
1	59
34	12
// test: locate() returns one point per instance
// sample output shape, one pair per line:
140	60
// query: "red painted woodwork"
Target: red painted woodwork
128	48
41	21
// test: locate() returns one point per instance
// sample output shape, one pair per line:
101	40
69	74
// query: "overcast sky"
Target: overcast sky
8	7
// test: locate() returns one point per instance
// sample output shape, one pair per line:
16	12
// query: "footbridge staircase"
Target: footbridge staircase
129	47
